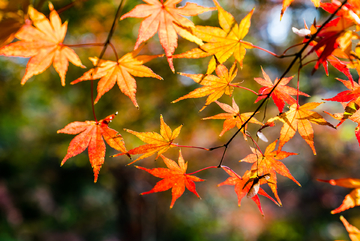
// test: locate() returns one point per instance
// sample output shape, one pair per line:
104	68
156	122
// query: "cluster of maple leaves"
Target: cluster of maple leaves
41	39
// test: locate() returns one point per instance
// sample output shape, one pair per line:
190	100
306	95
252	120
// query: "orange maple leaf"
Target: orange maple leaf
120	72
233	117
299	118
222	42
44	44
354	232
166	19
268	163
159	143
175	177
281	94
92	135
242	188
213	86
352	199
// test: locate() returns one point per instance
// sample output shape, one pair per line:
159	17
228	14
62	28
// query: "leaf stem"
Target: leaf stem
203	169
273	54
255	143
114	50
84	45
70	5
226	167
242	87
107	42
195	147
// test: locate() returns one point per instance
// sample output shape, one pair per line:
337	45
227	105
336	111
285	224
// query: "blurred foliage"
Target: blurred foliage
41	201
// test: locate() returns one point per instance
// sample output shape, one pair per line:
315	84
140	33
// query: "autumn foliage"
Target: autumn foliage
42	38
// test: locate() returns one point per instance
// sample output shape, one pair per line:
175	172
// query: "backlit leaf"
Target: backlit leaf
91	135
174	177
166	19
43	44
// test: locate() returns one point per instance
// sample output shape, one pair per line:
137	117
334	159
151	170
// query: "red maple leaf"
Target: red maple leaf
175	177
350	99
281	94
44	44
348	95
91	136
350	11
242	187
167	20
333	40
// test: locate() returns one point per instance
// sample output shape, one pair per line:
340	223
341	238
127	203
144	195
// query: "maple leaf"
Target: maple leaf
299	118
120	72
12	19
91	135
175	177
348	95
233	117
268	163
156	142
213	86
44	44
350	99
334	40
168	21
352	113
281	94
352	199
354	233
242	189
286	4
222	42
332	59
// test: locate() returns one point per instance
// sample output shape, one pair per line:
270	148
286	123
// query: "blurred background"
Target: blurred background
39	200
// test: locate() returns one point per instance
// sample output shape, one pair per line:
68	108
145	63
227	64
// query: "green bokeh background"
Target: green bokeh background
39	200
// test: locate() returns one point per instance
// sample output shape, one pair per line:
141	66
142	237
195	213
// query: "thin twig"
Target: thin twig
107	42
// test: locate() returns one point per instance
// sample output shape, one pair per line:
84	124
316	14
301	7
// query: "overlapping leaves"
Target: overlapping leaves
281	94
222	42
299	118
242	189
269	164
